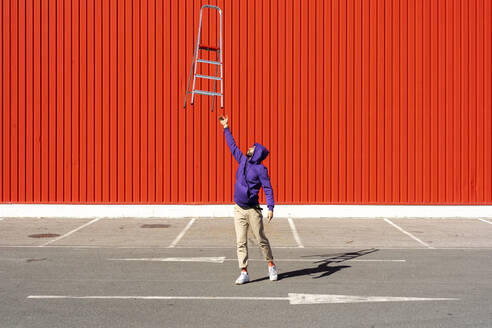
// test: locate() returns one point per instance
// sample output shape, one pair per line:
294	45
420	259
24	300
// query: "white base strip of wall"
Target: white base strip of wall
215	211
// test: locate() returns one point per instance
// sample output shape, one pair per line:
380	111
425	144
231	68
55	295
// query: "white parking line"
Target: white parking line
293	298
124	297
218	259
69	233
221	259
182	233
295	233
409	234
233	247
483	220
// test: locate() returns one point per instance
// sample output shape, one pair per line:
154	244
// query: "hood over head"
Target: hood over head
259	154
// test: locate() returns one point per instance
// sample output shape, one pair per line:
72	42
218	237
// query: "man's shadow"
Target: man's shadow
323	269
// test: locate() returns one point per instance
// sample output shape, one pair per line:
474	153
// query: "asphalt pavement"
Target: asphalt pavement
179	273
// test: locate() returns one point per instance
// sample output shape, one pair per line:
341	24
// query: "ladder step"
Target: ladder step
206	93
207	47
208	62
208	77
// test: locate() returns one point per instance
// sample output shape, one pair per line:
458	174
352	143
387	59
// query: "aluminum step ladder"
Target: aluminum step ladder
217	63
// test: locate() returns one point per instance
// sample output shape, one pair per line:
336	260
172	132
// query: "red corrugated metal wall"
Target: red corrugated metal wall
358	101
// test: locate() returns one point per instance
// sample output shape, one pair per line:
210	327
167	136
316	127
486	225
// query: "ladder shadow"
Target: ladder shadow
323	269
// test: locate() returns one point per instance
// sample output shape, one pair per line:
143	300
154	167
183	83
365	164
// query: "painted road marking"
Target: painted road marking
233	247
222	259
182	233
295	233
330	299
69	233
219	259
483	220
409	234
293	298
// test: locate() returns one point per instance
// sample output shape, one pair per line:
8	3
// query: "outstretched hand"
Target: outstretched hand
224	120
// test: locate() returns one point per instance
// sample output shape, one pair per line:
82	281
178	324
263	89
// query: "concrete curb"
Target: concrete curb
218	211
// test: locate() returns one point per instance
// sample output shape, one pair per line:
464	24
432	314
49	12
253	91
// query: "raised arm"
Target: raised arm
238	155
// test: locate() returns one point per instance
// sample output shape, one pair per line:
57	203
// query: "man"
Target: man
251	175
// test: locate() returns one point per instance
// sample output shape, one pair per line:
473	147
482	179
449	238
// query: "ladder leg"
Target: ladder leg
189	79
196	55
221	63
221	87
215	82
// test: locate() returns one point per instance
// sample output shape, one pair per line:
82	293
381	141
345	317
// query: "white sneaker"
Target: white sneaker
272	272
243	278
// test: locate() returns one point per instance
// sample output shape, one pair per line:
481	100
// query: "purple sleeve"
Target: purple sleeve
232	145
267	187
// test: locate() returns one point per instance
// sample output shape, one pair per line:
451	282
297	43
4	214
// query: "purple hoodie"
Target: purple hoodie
250	175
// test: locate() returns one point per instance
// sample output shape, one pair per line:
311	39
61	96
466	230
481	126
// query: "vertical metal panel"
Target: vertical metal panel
381	101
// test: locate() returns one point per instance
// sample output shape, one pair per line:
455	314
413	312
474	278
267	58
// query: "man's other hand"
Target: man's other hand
270	216
224	120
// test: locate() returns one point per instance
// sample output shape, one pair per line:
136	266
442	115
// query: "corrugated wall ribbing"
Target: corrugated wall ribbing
358	101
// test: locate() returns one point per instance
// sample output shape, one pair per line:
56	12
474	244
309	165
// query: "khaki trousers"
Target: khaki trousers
243	218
